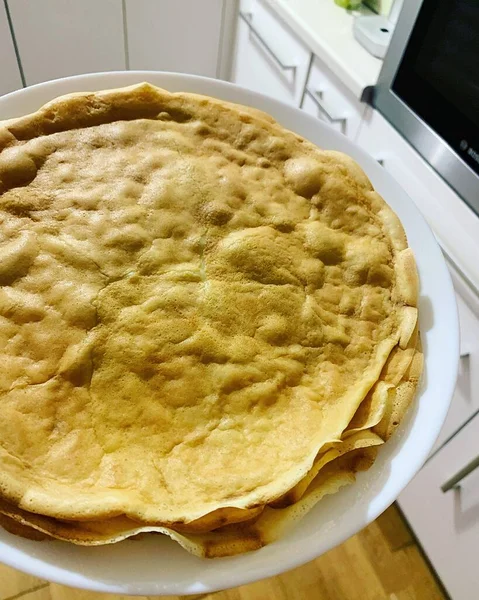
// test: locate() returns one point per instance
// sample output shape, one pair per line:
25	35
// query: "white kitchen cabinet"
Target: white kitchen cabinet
328	99
447	522
268	57
10	78
182	36
465	402
57	38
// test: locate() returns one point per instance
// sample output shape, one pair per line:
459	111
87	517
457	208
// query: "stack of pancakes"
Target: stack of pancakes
207	323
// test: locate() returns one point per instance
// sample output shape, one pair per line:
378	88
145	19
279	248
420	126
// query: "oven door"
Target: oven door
429	88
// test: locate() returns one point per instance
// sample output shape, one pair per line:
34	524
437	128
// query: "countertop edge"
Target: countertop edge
344	73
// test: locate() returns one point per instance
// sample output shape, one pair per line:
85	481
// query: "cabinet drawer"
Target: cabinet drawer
327	98
447	522
268	57
465	402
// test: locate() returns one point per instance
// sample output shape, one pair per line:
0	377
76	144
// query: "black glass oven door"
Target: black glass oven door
438	77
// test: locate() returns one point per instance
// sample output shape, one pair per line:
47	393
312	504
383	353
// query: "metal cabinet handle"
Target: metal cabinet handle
460	475
248	19
316	97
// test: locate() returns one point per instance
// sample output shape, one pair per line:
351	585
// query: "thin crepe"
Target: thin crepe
198	297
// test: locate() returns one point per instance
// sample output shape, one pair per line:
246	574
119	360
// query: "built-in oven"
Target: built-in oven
429	88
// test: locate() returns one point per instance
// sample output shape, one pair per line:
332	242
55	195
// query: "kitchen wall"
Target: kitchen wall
47	39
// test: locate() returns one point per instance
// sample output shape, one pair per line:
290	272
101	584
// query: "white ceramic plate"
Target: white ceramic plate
156	565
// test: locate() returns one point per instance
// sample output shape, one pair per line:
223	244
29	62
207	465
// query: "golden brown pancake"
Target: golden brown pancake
195	303
225	541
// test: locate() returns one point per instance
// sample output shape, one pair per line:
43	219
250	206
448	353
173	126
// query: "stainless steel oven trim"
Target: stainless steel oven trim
437	153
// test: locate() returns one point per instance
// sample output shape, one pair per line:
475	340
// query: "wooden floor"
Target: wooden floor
382	562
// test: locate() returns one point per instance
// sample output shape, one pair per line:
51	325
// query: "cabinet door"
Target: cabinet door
268	57
182	36
9	72
57	38
446	522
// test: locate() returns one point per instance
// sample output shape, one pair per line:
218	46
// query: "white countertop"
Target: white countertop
328	30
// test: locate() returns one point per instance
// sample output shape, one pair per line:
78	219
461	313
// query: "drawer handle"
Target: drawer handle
248	19
316	97
460	475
